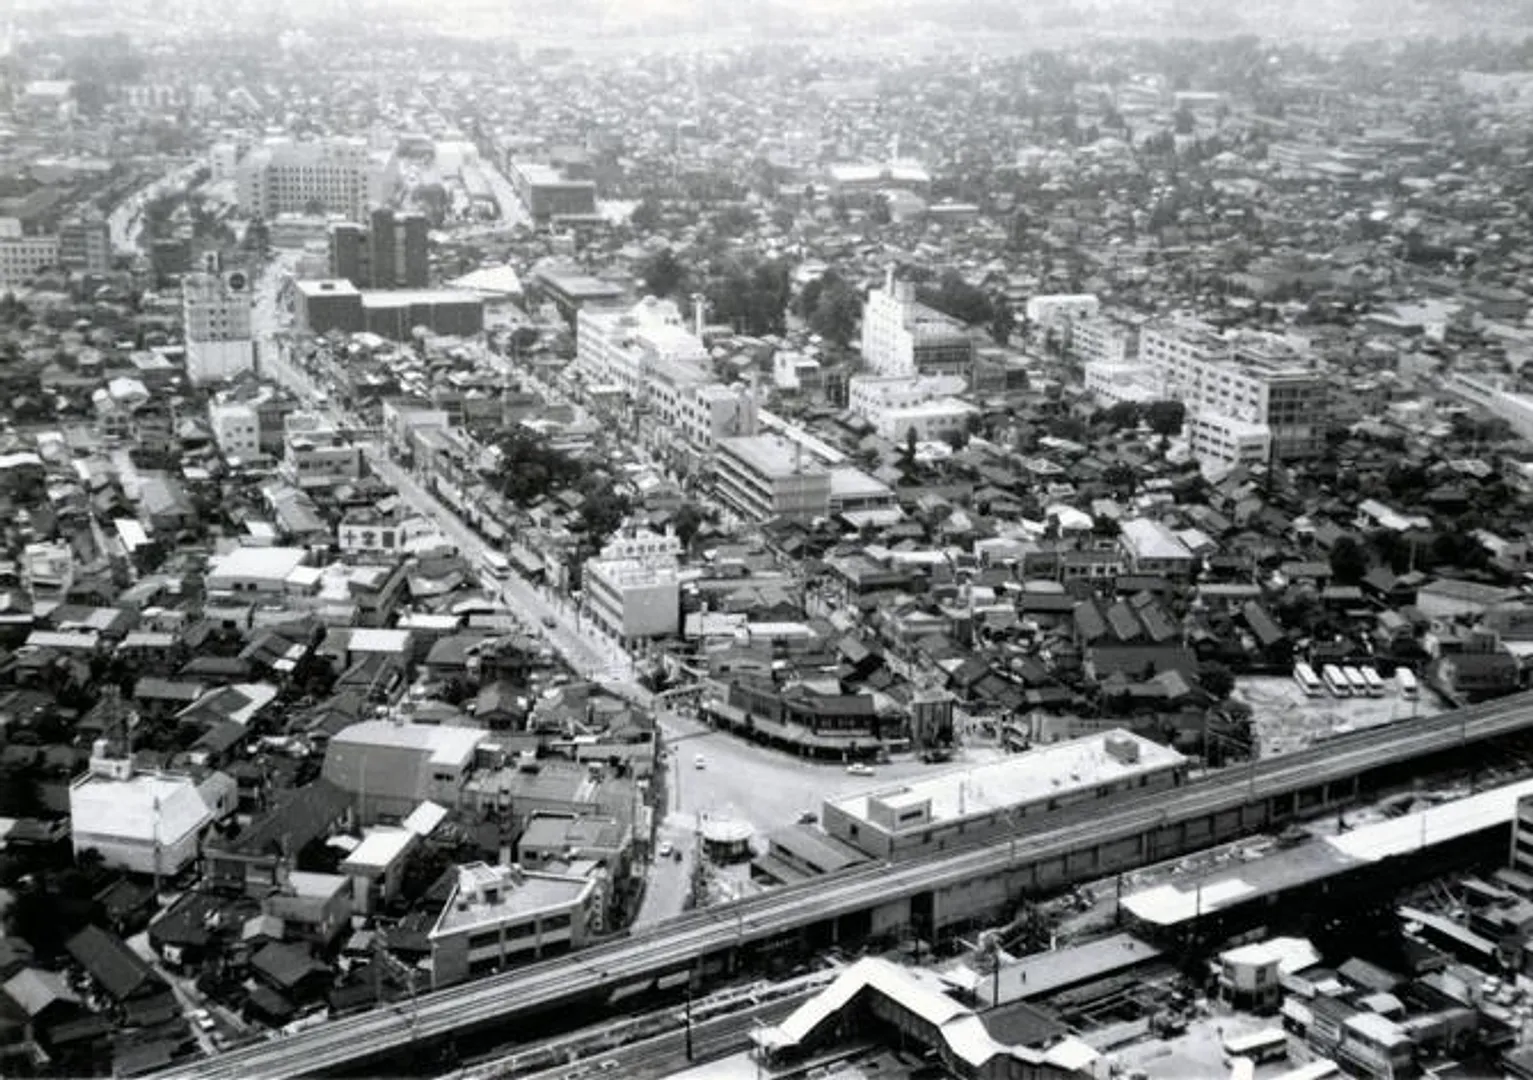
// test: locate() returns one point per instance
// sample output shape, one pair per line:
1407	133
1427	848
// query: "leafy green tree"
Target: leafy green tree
836	312
1120	415
956	297
601	514
1165	417
1001	322
646	216
1349	562
689	519
662	274
1216	679
531	469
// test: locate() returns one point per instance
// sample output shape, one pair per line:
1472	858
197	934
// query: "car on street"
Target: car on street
859	769
665	849
203	1019
550	622
699	762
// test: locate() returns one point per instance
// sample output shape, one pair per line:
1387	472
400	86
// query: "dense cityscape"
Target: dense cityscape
868	540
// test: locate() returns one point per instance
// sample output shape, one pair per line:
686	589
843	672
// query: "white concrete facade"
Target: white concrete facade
662	368
901	337
236	427
767	476
1253	379
339	175
1061	308
633	589
216	311
21	257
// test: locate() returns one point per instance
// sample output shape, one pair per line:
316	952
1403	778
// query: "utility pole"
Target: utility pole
689	1020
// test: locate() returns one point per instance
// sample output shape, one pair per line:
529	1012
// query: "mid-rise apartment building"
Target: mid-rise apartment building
1490	393
392	252
236	427
898	405
632	590
548	193
768	476
1061	309
85	244
22	257
319	457
662	370
216	311
1233	386
326	176
1103	339
335	304
903	337
497	916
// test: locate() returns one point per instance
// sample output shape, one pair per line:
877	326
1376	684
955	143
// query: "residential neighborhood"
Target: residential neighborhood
473	507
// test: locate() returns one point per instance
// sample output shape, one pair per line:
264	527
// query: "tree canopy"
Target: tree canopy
956	297
831	307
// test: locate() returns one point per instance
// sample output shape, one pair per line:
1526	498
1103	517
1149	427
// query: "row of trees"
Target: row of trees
749	294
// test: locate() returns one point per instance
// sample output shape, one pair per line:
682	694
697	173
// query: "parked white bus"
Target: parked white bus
1269	1044
1374	683
1319	1069
1408	685
1335	681
496	565
1308	681
1355	680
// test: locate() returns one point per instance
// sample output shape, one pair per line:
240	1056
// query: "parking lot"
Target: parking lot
1287	720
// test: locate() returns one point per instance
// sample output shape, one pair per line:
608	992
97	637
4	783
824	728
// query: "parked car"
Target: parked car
859	769
665	849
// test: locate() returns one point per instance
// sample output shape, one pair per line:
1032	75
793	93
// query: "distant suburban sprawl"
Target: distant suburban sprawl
800	541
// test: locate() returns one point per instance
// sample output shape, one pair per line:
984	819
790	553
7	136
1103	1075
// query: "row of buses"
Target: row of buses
1345	682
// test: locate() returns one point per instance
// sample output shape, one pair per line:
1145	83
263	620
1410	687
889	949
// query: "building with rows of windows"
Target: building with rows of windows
1250	397
903	337
329	176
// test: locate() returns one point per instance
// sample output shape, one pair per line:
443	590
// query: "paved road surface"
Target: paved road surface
585	651
126	222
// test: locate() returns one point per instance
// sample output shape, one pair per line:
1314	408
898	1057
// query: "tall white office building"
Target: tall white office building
902	337
329	176
216	308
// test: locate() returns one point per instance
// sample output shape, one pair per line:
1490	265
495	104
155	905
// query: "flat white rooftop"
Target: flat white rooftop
378	849
447	745
266	564
1022	780
771	456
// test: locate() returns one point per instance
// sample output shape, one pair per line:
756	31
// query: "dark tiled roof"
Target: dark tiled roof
302	815
117	969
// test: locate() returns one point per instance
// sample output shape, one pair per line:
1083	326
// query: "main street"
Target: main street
126	221
551	615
